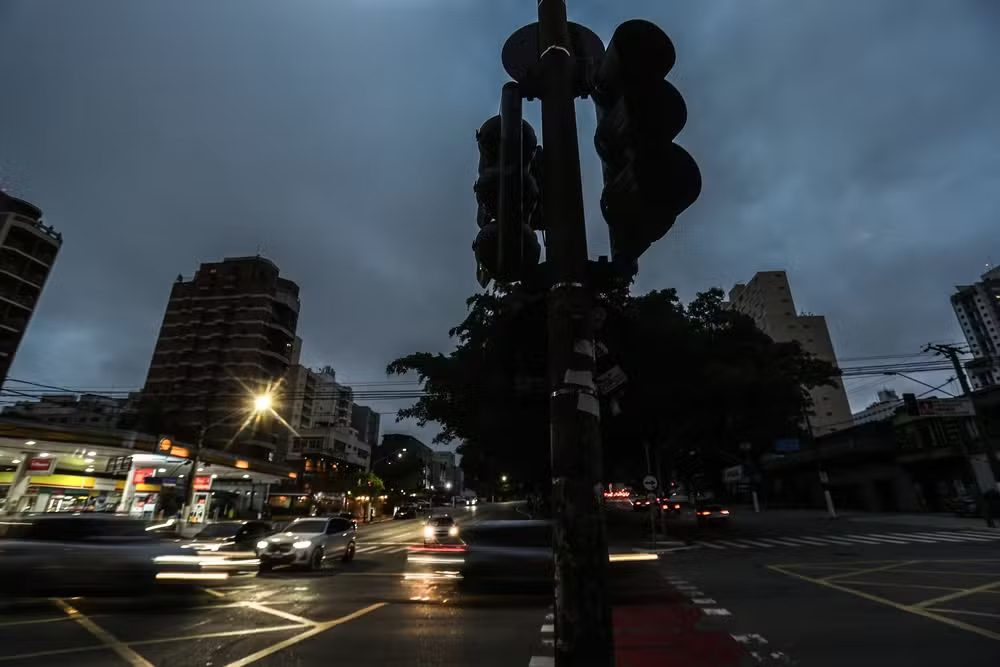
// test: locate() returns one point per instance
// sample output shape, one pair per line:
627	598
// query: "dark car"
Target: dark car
713	515
230	536
350	517
406	512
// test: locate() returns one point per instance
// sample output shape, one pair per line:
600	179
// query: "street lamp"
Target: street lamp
261	403
503	478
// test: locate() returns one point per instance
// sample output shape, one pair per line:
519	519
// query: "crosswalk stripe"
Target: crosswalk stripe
861	540
785	541
364	549
949	538
732	544
832	540
913	537
760	542
807	540
992	534
880	537
972	533
963	537
708	544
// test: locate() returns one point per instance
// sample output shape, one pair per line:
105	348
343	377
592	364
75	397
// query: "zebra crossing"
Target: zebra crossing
850	539
381	548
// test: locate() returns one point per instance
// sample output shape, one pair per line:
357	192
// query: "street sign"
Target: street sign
611	379
733	474
946	407
41	465
649	483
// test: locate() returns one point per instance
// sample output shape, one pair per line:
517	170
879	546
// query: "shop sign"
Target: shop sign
118	464
202	482
140	475
42	465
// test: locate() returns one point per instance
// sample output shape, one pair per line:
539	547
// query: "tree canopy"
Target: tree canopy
701	380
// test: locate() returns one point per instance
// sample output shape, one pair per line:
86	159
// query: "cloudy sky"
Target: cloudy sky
852	143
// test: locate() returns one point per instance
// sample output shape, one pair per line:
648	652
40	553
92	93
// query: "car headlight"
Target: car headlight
303	544
262	544
428	531
453	531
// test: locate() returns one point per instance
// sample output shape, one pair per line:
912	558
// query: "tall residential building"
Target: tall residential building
27	250
404	462
90	410
977	307
227	334
320	412
767	298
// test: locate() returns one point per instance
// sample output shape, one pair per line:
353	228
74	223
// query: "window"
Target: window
829	414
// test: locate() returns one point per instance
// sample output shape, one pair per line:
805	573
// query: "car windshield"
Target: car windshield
308	526
215	530
441	521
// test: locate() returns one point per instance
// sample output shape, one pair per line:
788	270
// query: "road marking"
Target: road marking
716	611
891	603
31	621
212	591
862	540
291	641
277	612
58	651
746	639
896	585
959	594
108	639
732	544
548	629
542	661
832	540
965	612
703	601
948	538
760	543
220	633
878	537
965	536
913	537
710	545
799	541
855	573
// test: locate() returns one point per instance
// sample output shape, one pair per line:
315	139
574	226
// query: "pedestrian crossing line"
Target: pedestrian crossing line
966	536
710	545
948	538
914	538
992	534
878	537
859	540
834	540
732	544
761	542
809	541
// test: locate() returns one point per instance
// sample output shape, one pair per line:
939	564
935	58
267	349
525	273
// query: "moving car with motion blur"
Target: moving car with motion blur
406	512
440	529
92	554
642	503
309	542
709	515
229	536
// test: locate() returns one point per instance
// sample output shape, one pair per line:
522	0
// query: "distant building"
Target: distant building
443	472
28	249
227	334
90	410
977	307
403	461
367	423
767	298
883	408
320	411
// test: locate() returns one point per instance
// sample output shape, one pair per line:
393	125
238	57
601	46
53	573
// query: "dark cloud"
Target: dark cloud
852	143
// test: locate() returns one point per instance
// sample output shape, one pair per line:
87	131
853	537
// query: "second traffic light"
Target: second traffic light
507	192
648	179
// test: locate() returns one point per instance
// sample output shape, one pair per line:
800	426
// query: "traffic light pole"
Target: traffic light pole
582	614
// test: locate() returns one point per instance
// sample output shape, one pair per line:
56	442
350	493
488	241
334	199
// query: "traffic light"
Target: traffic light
648	179
508	193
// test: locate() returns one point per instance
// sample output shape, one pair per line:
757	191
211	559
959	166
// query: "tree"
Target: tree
700	378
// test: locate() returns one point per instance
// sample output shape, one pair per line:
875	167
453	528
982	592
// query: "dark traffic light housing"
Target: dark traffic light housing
508	193
648	179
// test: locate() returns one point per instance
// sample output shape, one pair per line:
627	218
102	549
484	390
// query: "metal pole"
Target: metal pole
189	496
582	613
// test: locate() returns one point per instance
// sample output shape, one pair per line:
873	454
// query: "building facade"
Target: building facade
977	308
227	335
767	299
367	423
883	408
443	472
404	462
89	410
28	249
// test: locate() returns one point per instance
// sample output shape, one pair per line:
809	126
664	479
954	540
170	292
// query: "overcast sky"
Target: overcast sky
854	144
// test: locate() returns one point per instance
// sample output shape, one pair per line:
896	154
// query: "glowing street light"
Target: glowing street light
503	478
262	402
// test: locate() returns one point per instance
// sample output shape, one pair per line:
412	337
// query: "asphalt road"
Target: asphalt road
819	592
362	613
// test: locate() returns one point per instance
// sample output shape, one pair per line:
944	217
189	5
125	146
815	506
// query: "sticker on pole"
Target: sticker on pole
649	483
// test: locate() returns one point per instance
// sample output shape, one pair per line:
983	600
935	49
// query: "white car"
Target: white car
309	543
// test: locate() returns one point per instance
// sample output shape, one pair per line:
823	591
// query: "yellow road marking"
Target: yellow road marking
321	627
963	611
895	585
895	605
959	594
971	574
212	591
59	651
30	621
223	633
854	573
109	640
277	612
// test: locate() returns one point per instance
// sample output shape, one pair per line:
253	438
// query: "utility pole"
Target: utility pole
953	352
582	613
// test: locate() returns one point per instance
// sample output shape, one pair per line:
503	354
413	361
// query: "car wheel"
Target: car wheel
349	553
316	560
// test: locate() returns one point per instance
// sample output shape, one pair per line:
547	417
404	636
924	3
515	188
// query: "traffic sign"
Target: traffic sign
649	483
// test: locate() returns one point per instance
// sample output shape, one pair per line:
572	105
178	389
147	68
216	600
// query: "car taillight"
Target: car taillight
704	513
725	511
677	507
